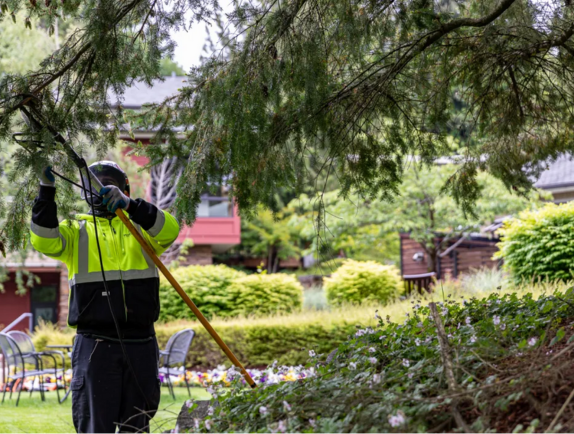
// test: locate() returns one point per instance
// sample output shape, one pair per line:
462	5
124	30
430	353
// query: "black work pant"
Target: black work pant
105	394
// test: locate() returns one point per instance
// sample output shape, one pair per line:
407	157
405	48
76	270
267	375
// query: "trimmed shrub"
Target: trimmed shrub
359	282
208	287
258	342
539	244
263	294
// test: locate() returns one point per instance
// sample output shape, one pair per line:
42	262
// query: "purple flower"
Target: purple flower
397	420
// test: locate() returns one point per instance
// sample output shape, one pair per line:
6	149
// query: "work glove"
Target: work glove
47	177
114	198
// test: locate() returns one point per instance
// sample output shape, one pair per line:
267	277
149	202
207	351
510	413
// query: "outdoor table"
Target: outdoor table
68	348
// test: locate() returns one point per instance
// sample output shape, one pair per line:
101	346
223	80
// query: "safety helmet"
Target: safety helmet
109	173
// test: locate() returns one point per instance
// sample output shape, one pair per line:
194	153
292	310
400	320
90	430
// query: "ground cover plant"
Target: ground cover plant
501	362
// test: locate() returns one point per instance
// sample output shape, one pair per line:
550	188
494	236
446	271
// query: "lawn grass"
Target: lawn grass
34	416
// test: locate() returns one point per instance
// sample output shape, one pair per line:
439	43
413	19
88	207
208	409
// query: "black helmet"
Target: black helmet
109	173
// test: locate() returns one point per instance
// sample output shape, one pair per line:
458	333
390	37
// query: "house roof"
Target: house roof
139	93
560	173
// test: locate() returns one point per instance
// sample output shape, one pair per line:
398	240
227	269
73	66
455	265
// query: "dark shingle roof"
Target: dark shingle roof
140	93
559	174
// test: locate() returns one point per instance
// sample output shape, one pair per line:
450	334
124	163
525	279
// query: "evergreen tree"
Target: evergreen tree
368	83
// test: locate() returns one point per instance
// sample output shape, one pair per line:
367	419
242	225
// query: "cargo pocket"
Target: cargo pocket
77	383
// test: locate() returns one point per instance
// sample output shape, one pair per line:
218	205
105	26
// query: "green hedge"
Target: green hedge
221	291
540	244
363	281
258	343
207	286
263	294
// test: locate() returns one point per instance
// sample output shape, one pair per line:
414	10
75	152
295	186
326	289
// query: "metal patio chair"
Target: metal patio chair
174	355
31	356
16	367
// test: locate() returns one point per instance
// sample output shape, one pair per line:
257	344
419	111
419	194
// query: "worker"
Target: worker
108	393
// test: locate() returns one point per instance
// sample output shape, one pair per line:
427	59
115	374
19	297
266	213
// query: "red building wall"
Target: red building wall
13	305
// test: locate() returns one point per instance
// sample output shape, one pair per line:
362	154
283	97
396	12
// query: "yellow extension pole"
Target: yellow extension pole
120	213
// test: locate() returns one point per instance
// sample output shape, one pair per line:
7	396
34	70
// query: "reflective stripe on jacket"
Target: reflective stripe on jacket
131	276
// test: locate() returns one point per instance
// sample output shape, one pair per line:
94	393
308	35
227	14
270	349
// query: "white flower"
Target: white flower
360	333
444	311
196	423
372	350
406	363
467	320
210	410
263	410
311	353
282	427
188	403
382	337
208	424
312	423
286	406
532	341
373	360
449	336
417	342
371	331
496	320
352	366
397	420
410	374
472	339
376	378
420	325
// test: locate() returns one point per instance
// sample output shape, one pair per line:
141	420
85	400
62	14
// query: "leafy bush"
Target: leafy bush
391	378
208	287
263	294
539	244
358	282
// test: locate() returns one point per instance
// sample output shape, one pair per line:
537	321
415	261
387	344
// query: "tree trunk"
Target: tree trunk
432	257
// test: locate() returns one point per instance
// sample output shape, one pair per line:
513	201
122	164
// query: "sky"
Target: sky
189	45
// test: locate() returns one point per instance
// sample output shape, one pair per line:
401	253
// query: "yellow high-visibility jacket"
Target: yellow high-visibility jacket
131	276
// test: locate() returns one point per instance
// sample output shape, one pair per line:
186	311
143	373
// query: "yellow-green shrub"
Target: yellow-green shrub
363	281
540	244
208	287
221	291
263	294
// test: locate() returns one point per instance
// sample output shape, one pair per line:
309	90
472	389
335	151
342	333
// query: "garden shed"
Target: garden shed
472	252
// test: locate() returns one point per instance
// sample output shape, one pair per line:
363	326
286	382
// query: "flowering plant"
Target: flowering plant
392	378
